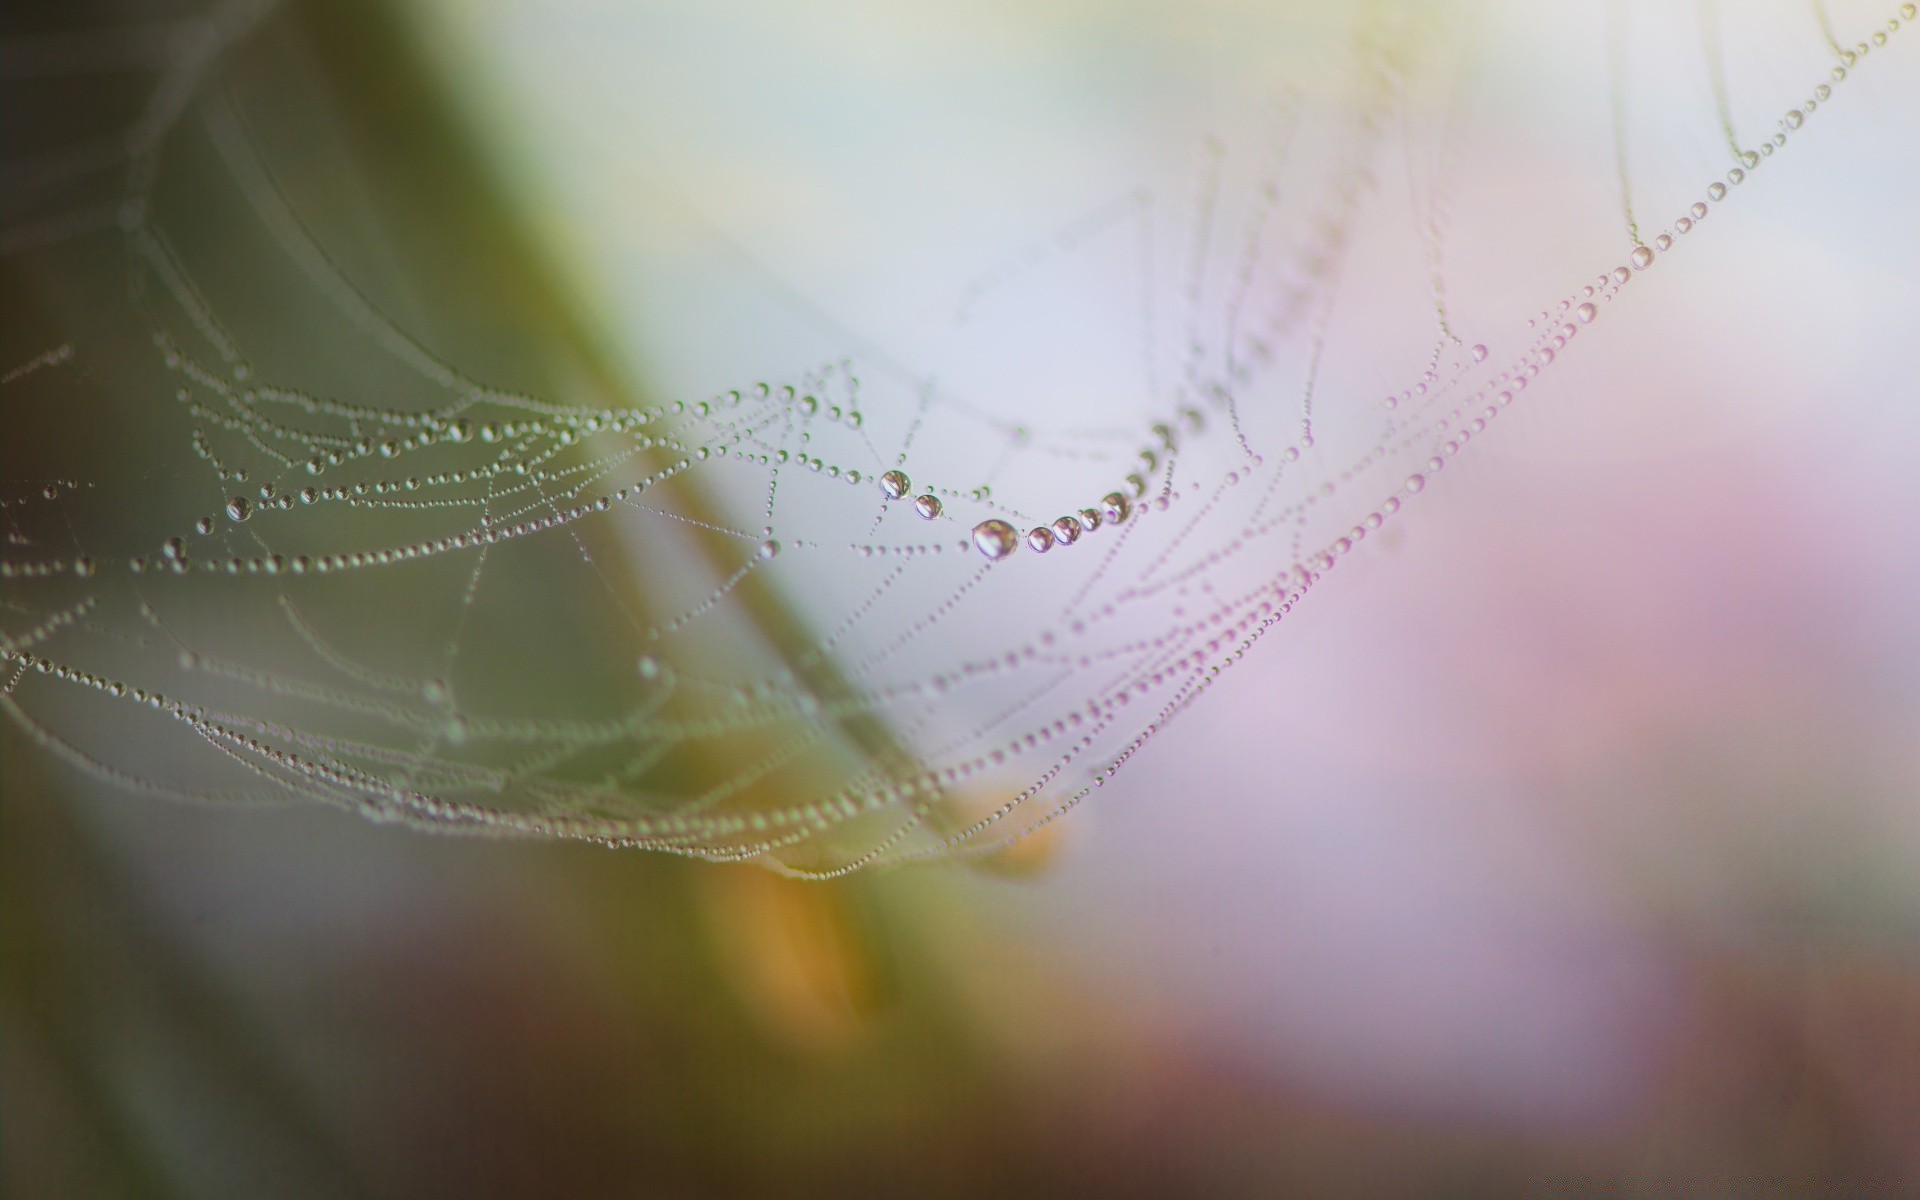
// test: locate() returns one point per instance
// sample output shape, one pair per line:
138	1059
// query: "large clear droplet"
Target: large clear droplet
895	484
927	506
995	538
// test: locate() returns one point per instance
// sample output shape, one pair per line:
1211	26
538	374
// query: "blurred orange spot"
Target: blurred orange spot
793	955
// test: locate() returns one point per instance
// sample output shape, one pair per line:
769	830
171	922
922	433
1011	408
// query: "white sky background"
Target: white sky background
1643	664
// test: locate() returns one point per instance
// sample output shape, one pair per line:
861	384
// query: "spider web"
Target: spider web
297	510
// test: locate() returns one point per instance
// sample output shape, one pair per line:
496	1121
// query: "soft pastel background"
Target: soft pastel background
1565	839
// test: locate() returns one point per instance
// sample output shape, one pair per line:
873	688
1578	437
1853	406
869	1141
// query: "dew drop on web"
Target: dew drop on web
1173	398
995	538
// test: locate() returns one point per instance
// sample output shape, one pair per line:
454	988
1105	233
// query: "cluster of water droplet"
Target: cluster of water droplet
1085	657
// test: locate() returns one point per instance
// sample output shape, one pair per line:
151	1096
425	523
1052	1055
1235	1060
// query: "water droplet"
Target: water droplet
1116	507
895	484
1479	353
1663	243
768	549
648	666
460	430
1089	519
1641	258
173	549
1066	531
1698	211
1683	225
239	508
1586	313
1736	176
1795	118
1040	538
1415	483
1716	190
927	506
83	566
995	538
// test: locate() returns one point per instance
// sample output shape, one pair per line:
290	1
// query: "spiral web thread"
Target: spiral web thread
832	646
